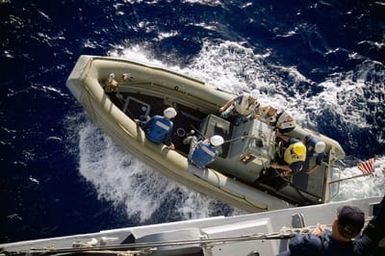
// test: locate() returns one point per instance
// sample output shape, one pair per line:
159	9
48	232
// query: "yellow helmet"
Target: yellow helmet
299	149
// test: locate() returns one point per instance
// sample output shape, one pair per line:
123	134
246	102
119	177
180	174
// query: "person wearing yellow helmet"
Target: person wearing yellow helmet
294	157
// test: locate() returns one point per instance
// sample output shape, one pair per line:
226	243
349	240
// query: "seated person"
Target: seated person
159	129
243	107
294	157
203	152
315	150
279	119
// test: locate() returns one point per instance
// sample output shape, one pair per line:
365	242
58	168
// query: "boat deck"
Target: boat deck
302	185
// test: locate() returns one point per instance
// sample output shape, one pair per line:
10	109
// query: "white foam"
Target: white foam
137	52
124	180
203	2
163	35
367	186
140	1
348	95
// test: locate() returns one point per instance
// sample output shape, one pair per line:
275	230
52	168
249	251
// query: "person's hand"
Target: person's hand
319	230
274	165
285	173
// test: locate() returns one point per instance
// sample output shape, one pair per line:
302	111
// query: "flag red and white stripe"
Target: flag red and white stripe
367	167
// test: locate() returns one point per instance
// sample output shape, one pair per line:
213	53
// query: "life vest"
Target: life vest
159	128
204	153
243	107
290	157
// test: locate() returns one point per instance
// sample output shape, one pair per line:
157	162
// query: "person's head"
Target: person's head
299	149
350	220
319	147
216	140
169	113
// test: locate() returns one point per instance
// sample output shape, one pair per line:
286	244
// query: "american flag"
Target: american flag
367	167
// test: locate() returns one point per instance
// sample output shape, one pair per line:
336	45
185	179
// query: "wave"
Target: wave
124	180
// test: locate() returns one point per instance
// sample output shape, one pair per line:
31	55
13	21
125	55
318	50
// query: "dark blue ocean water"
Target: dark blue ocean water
333	45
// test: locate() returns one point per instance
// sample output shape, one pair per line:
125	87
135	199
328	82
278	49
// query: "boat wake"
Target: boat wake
124	180
334	107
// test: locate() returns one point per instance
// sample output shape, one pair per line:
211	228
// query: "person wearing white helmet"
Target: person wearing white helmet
279	119
285	122
243	107
315	153
159	128
203	152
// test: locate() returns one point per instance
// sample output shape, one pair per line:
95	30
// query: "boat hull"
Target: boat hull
86	82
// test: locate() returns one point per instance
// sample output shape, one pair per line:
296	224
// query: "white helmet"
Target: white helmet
246	95
254	94
319	147
216	140
169	112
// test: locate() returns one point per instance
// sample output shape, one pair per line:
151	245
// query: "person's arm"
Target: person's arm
260	111
227	104
284	138
376	226
146	123
373	233
284	169
171	146
305	245
168	138
252	115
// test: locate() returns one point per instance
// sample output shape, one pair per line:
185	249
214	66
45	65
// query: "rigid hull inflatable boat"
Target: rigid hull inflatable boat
117	91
